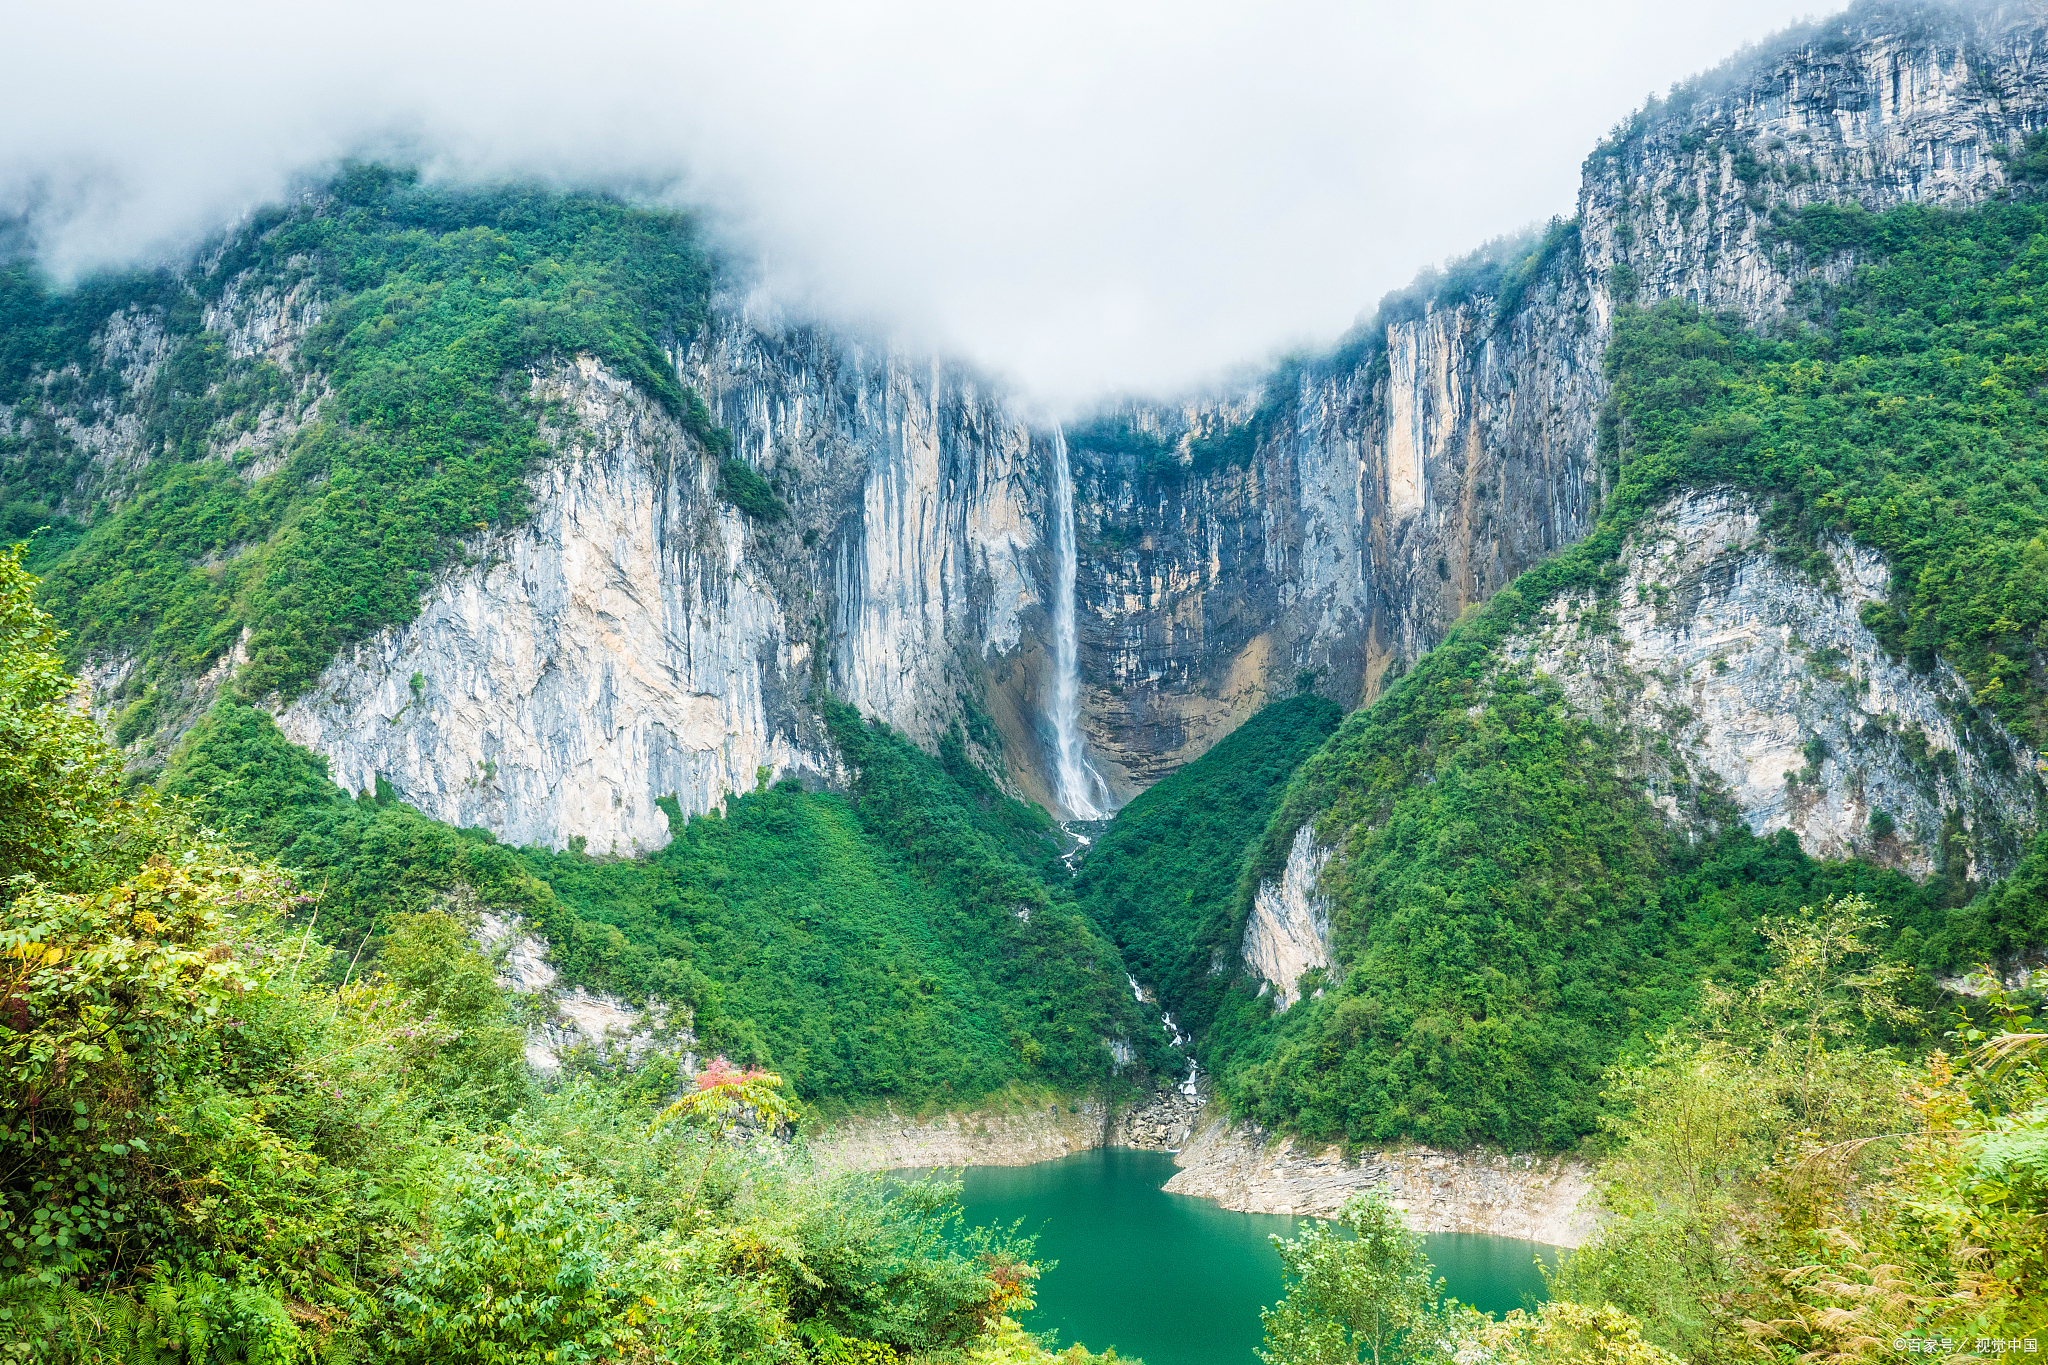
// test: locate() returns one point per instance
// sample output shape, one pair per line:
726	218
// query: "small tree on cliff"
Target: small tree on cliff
1361	1291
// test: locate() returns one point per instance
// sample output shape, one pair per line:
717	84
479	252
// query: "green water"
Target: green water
1177	1280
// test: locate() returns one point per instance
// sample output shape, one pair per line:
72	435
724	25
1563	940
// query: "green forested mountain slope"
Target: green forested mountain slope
432	302
1162	878
912	940
907	941
1510	911
220	1143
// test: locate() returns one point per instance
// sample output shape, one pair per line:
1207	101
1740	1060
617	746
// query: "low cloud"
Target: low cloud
1084	197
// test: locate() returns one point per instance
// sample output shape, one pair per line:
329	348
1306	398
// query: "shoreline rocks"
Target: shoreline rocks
1239	1166
1505	1194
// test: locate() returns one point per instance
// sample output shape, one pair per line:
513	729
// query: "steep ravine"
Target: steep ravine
639	638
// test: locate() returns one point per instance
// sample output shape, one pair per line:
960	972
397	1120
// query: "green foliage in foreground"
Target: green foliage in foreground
212	1150
1510	912
435	302
1779	1190
1162	879
1359	1288
910	941
1773	1188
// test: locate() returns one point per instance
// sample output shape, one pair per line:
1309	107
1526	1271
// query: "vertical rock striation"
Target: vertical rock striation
641	639
1288	931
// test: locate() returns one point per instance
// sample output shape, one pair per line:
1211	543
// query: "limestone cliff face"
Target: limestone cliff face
1733	671
1388	487
918	552
1451	443
617	648
1288	931
640	639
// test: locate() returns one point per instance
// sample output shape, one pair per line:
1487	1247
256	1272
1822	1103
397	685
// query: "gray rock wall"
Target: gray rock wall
1288	930
1728	669
1541	1199
639	639
617	648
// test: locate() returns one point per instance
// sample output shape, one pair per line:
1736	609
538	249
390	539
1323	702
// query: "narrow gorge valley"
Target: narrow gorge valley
508	727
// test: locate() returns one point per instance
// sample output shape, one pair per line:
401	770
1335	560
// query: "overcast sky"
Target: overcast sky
1085	196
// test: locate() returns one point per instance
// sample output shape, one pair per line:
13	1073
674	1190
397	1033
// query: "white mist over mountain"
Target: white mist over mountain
1083	197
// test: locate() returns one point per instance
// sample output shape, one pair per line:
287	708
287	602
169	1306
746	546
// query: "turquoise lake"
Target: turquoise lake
1176	1280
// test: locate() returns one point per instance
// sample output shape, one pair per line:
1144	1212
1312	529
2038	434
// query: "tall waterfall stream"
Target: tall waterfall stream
1079	787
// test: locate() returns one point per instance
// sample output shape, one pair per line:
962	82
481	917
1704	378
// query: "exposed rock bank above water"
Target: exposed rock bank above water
891	1141
1541	1199
1239	1166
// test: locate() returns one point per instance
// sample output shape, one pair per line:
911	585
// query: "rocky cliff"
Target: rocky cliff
1451	442
1732	670
639	639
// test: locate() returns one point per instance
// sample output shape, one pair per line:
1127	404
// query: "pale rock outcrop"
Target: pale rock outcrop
1731	668
267	322
576	1017
1887	104
1288	930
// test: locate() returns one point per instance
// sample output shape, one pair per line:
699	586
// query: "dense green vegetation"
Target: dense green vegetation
218	1143
434	304
748	491
1162	879
1775	1188
1511	912
1778	1188
1906	411
912	940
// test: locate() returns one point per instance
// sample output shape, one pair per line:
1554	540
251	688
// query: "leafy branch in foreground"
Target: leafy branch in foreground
1358	1289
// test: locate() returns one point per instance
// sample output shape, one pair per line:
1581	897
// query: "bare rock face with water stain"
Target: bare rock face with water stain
1288	931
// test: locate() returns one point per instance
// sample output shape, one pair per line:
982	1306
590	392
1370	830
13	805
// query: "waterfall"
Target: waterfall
1079	787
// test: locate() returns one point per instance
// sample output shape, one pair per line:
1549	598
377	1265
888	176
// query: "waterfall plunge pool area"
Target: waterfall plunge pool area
1176	1280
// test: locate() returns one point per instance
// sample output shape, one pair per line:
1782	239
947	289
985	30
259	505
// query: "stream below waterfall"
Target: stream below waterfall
1177	1280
